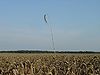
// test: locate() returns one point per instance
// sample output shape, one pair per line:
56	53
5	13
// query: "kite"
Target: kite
45	18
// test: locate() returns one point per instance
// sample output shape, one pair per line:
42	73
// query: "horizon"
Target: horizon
38	50
75	24
67	50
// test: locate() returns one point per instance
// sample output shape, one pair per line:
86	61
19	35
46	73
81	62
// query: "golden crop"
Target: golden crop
49	64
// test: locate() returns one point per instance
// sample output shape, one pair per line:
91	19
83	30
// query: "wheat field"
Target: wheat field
49	64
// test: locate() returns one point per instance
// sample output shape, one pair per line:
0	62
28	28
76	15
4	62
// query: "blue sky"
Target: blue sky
75	24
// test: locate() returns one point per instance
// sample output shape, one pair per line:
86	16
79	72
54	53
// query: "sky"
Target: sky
75	24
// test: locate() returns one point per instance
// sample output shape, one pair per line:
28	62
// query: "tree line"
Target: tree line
40	51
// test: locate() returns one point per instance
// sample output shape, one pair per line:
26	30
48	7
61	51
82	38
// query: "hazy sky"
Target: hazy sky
75	24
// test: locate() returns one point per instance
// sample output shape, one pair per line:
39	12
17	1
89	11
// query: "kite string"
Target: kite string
52	37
